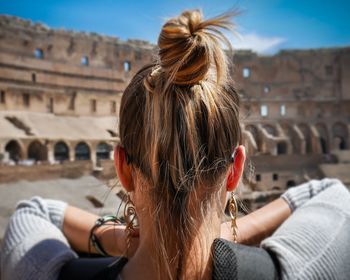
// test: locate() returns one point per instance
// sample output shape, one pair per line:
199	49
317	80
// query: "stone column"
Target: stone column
71	147
50	151
93	157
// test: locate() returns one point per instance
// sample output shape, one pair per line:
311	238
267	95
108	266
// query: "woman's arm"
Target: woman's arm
34	246
77	225
252	228
40	234
260	224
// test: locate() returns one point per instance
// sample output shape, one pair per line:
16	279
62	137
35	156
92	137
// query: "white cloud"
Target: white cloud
257	43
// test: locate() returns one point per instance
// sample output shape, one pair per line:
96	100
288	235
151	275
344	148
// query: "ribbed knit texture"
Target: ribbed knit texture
297	196
314	243
34	246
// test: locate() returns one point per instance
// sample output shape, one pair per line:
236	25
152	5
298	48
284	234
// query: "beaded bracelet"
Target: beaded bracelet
93	238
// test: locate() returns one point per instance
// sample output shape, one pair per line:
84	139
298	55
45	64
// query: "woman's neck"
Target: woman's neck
195	264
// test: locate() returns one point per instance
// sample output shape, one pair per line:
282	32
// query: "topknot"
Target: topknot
189	47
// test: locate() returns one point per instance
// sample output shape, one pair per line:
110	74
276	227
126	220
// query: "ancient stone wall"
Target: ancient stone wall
295	104
62	72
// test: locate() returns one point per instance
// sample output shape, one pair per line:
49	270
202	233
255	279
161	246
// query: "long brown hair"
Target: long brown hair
179	125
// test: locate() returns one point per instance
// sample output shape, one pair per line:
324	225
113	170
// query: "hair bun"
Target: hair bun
190	46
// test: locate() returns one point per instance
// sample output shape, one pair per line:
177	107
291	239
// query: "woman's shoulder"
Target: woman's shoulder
236	261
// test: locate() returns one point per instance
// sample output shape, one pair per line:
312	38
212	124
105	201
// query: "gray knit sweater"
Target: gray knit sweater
314	243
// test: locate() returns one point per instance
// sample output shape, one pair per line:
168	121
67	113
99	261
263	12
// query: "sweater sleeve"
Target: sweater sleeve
34	246
313	243
297	196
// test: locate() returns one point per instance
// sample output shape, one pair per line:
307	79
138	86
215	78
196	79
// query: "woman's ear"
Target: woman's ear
236	169
123	169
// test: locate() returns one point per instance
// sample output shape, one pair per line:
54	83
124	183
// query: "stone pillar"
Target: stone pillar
50	151
71	147
315	140
93	157
25	148
4	156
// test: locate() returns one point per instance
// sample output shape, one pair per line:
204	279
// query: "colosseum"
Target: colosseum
60	93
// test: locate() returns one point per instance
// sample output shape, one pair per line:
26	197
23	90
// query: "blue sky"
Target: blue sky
265	26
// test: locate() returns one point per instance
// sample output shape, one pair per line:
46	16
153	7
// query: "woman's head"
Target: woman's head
179	127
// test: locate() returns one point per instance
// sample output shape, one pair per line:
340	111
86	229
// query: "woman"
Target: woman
179	156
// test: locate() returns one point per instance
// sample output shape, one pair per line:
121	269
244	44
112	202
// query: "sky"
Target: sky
264	26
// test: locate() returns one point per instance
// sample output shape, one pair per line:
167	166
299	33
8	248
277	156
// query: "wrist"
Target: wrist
110	236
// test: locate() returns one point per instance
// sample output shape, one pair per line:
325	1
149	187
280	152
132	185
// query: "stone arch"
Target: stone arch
61	151
82	151
323	137
256	134
37	151
103	151
15	150
340	136
305	129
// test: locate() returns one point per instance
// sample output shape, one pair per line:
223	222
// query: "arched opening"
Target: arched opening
61	151
82	151
323	137
281	148
290	183
340	136
324	146
103	151
37	151
14	150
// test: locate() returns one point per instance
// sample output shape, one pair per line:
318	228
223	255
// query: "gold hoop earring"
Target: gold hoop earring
129	217
233	209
